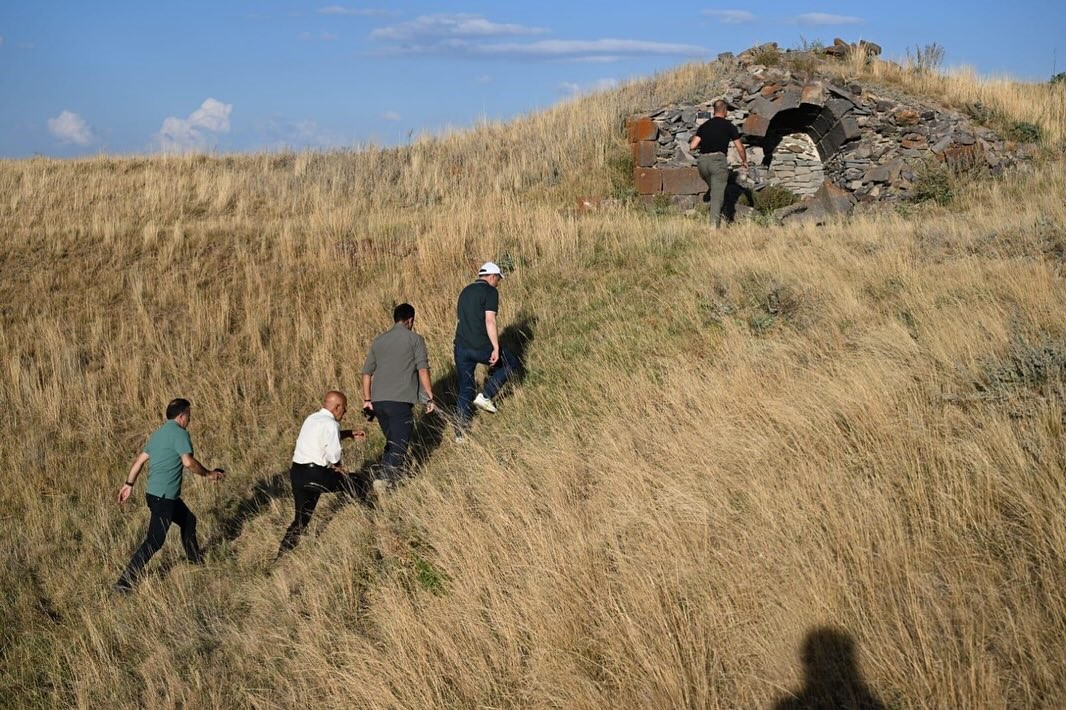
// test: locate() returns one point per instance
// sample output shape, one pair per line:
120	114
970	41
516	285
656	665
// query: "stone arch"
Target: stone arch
828	121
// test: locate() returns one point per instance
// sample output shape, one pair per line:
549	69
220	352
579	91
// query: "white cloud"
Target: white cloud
731	17
596	50
452	25
585	49
825	18
390	116
69	127
353	11
183	134
574	89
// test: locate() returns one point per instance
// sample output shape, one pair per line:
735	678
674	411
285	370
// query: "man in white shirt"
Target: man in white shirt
316	463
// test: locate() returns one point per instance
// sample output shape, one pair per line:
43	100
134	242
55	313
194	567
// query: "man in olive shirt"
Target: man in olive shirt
477	341
712	139
168	453
396	366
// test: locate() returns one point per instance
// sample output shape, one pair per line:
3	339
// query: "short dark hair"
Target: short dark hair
177	407
720	106
403	312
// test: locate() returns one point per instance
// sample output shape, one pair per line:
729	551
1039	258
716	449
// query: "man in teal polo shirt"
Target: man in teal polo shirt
168	453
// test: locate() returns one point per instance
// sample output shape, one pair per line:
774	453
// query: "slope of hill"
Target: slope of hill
741	467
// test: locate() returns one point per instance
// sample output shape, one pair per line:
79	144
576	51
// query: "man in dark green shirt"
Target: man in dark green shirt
477	341
168	453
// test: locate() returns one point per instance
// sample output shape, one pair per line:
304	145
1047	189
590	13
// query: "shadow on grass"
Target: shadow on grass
429	433
831	676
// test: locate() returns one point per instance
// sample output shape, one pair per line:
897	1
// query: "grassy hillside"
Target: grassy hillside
727	446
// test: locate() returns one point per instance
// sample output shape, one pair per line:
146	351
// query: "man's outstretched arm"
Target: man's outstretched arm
189	461
131	477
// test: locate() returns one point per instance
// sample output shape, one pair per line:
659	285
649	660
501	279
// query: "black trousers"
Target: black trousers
164	512
397	421
308	483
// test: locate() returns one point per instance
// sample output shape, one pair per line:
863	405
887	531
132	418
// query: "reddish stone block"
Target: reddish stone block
644	153
813	93
641	128
755	125
648	181
683	181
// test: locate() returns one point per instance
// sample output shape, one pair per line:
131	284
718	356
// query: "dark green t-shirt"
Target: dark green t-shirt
474	300
164	448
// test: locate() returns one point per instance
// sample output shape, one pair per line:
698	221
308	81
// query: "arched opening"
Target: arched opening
790	146
788	153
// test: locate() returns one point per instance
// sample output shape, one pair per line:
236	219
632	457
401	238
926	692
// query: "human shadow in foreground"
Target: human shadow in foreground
832	680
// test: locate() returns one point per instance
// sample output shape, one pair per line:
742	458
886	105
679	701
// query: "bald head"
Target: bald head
721	108
336	402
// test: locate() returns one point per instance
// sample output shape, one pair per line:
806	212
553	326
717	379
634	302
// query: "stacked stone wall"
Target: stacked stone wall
864	142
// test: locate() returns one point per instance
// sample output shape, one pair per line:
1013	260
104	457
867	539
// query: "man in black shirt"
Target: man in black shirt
477	341
712	139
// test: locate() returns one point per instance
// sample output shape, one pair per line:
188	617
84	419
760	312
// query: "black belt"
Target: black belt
311	465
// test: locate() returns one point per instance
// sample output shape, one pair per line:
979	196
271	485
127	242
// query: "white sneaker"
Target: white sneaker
484	403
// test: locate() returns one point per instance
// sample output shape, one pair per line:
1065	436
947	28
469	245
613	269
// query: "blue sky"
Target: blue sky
82	78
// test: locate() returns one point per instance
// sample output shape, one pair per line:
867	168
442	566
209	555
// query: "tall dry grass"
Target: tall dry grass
725	442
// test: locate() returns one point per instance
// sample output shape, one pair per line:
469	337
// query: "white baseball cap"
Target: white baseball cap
490	269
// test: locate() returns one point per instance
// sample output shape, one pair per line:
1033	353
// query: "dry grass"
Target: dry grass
724	442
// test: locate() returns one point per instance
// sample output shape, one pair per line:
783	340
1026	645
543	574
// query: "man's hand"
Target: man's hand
494	356
124	493
430	407
216	475
353	434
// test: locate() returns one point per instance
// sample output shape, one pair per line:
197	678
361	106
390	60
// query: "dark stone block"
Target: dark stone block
790	99
821	125
683	181
839	107
644	153
764	107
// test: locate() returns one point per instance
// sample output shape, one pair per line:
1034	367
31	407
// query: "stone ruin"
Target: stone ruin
835	145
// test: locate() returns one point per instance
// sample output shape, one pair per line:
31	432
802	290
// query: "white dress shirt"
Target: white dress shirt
319	441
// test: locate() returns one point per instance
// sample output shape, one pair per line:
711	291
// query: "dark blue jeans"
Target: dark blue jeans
397	424
466	361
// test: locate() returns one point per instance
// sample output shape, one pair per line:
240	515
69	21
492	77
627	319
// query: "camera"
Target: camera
369	414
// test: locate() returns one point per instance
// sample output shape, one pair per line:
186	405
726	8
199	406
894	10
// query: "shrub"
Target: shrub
773	197
815	46
933	183
927	59
768	55
1059	78
1024	132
